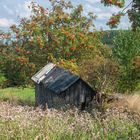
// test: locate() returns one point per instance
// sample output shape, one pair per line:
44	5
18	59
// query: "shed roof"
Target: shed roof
40	75
55	78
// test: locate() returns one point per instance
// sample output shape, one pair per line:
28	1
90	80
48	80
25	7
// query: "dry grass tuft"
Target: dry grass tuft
133	102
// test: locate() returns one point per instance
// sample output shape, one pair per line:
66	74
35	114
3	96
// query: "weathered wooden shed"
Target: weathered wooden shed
57	87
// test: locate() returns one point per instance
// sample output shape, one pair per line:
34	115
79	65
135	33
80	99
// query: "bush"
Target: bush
16	69
2	79
126	51
100	70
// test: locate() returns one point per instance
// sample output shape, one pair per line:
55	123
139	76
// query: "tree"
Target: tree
126	50
60	34
133	13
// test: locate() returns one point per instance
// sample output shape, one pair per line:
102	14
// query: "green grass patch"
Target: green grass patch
23	96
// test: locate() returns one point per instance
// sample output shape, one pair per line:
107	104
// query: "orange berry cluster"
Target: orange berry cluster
115	2
22	60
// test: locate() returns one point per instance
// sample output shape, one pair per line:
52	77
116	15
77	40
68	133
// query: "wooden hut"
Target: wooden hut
57	87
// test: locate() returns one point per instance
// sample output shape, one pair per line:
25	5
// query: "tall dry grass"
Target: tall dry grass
27	123
133	102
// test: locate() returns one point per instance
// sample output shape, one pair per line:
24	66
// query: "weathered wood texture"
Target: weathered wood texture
57	87
79	94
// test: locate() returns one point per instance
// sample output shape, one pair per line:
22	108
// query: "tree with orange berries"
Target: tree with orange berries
58	34
133	12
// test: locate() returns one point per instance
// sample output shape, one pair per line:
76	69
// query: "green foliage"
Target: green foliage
48	35
108	36
2	78
134	15
133	12
62	35
16	68
126	50
99	69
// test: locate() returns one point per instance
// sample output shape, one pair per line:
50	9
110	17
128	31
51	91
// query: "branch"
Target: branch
127	6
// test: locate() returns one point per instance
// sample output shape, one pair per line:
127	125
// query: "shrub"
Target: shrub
126	51
100	70
2	79
16	69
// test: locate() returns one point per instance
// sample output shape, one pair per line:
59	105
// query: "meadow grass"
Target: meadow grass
18	95
27	123
18	122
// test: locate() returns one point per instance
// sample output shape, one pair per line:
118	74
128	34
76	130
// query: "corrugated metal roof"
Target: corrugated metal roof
39	76
55	78
59	80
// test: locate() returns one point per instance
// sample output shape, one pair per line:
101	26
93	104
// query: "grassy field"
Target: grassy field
26	122
22	96
21	122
